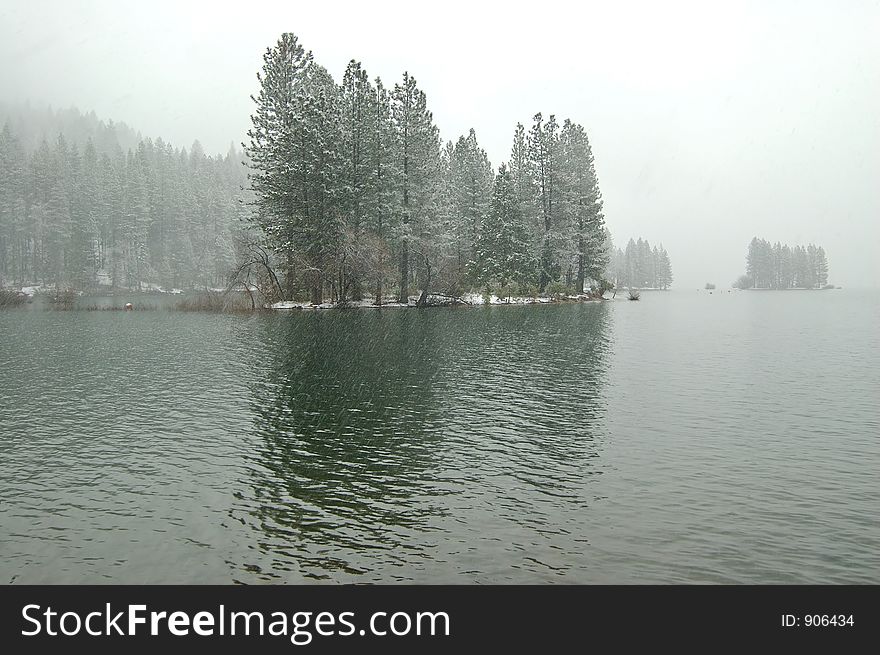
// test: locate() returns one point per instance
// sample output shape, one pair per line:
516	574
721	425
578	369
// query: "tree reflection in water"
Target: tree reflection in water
399	444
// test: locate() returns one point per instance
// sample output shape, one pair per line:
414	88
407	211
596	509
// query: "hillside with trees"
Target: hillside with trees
78	211
31	125
780	266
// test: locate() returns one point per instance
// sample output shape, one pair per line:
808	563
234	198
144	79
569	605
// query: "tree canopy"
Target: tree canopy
355	190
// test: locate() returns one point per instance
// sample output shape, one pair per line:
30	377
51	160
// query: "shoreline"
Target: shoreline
791	289
466	300
219	302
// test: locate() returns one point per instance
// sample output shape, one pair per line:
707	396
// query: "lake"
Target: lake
685	438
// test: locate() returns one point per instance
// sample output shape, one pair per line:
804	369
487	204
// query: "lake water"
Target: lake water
688	437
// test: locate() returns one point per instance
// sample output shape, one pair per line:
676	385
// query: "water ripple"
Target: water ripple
684	438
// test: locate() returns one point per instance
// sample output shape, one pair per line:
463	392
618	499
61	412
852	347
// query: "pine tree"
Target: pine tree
785	267
520	170
359	189
471	183
801	274
655	267
759	263
56	210
81	265
320	166
812	266
501	248
582	202
135	222
543	149
13	224
276	153
821	267
417	157
383	220
665	269
631	257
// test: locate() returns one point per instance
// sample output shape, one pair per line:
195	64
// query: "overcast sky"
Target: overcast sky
710	122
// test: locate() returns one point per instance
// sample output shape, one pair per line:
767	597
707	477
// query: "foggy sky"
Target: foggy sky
710	122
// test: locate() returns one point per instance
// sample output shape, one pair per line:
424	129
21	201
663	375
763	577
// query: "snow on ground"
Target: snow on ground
148	287
468	298
291	304
479	299
385	303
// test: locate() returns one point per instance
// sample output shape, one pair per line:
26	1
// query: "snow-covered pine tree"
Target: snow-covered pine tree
524	185
665	269
81	265
135	222
13	225
631	260
813	266
382	222
471	183
619	266
520	170
785	267
501	251
452	269
359	189
798	265
417	158
758	262
821	267
317	155
582	203
276	138
58	211
543	150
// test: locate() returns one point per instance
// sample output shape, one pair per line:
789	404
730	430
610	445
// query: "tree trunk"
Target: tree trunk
580	273
404	252
378	300
544	279
423	298
404	273
289	281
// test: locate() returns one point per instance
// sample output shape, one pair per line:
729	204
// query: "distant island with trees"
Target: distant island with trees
780	266
641	266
